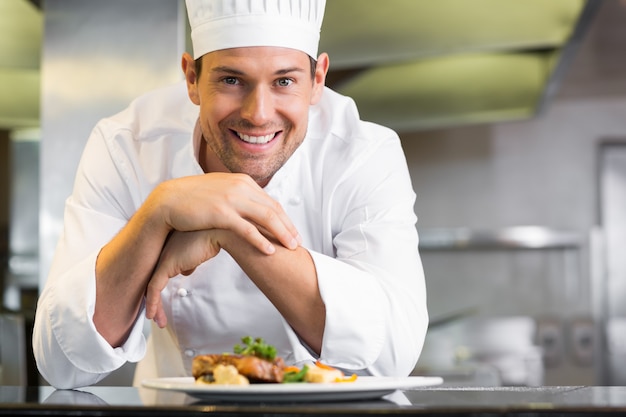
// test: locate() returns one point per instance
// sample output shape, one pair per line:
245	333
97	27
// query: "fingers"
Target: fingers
252	235
182	254
157	314
268	217
263	226
160	318
275	222
157	283
263	216
228	201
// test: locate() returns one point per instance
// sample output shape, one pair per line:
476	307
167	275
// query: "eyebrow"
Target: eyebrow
233	71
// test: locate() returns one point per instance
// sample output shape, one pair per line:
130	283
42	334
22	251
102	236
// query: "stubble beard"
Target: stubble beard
259	167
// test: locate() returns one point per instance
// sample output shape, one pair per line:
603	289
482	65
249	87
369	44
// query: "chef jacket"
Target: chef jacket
348	191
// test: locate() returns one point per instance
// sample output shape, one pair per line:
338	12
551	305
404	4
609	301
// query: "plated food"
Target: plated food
255	363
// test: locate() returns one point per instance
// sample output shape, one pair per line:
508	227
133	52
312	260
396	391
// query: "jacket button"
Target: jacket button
182	292
295	200
189	353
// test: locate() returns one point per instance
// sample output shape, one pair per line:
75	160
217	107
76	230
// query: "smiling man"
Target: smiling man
248	200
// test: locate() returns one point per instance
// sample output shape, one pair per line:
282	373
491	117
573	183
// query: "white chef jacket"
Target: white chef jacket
347	190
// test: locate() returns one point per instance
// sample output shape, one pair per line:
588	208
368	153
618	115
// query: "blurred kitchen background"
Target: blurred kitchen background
512	115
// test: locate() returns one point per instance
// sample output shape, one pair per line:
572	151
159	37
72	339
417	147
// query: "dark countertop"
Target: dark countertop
130	401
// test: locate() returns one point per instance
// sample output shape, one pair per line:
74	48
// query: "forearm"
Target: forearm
288	279
123	269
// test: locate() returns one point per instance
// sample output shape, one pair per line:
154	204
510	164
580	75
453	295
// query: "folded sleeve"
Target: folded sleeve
376	316
371	279
68	349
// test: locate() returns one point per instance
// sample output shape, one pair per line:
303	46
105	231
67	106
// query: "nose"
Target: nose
257	105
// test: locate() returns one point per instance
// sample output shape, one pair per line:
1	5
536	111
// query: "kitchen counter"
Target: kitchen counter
440	401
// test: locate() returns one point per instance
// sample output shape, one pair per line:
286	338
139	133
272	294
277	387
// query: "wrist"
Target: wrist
156	211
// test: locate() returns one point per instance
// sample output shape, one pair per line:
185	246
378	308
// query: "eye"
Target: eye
284	82
230	80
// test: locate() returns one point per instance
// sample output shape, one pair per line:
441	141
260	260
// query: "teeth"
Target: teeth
255	139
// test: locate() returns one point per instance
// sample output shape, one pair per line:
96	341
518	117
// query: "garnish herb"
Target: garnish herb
295	376
256	347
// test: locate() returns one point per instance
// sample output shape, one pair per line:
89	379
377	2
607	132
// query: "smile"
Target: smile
256	139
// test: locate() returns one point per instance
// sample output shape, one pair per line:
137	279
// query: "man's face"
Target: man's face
254	105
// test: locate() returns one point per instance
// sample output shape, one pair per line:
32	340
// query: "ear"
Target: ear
189	69
320	77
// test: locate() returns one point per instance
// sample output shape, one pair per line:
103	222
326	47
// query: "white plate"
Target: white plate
365	387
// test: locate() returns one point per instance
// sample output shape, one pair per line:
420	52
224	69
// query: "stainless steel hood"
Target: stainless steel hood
419	64
409	64
21	29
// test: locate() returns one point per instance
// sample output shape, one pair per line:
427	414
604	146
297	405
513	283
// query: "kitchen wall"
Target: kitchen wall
540	172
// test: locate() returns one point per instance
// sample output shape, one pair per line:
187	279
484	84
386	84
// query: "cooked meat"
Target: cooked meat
257	370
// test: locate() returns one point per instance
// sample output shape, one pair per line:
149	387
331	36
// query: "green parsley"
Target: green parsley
291	377
256	347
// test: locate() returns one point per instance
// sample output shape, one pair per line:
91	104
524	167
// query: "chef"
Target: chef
248	200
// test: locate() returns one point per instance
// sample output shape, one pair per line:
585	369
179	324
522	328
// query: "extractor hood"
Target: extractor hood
409	64
21	29
422	64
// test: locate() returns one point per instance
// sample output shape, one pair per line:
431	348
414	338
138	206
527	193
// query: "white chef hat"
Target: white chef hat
222	24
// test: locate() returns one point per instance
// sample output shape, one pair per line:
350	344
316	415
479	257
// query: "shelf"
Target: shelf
517	237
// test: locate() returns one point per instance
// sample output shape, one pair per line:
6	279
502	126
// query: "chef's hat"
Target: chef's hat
222	24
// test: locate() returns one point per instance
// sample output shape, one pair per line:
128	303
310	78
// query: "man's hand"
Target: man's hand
182	254
226	201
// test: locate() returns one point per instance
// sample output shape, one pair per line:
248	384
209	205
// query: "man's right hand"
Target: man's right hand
225	201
